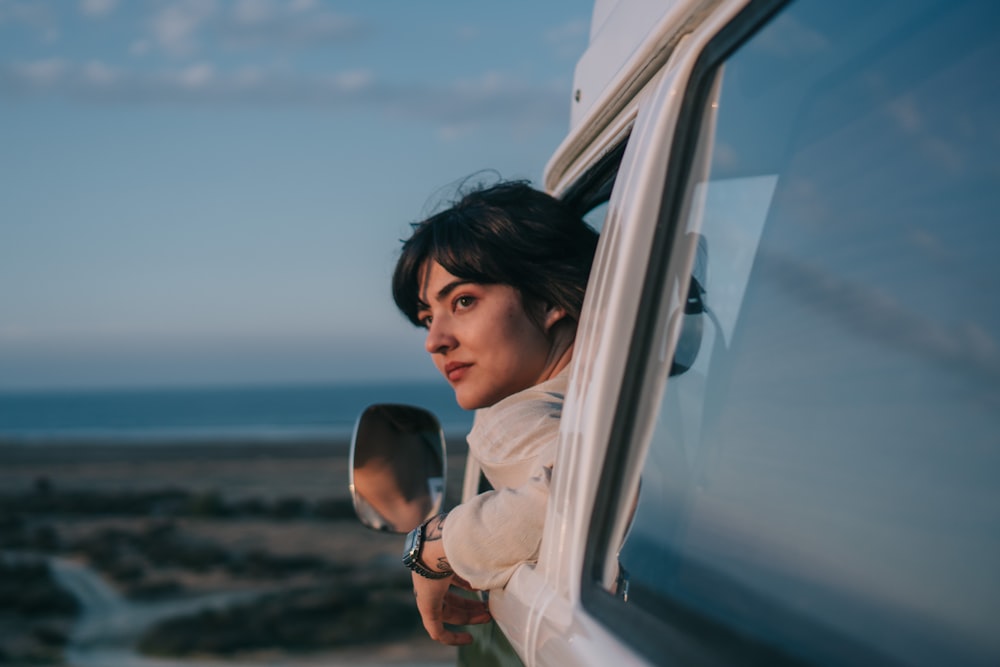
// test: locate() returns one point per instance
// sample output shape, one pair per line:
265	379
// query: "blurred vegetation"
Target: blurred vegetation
300	620
332	605
134	559
35	614
47	500
129	556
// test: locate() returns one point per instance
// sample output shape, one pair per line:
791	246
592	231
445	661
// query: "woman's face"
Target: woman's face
481	339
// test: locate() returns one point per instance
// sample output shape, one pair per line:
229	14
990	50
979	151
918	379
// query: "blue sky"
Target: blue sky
213	191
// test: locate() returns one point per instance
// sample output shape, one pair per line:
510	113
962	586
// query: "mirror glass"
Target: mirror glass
397	467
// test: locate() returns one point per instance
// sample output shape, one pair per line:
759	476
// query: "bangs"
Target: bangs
452	240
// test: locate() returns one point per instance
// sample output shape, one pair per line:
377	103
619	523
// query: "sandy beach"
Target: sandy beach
259	475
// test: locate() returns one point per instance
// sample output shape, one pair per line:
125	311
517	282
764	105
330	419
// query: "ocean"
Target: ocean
224	414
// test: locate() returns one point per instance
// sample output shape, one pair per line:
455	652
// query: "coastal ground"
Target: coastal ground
257	518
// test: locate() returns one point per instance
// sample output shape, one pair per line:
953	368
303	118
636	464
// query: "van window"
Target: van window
596	216
819	479
589	195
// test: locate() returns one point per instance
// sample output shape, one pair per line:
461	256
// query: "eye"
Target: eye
425	321
464	301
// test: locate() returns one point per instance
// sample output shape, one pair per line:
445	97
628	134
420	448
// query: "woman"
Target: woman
498	281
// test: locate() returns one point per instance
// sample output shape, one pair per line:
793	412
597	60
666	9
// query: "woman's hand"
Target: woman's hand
437	606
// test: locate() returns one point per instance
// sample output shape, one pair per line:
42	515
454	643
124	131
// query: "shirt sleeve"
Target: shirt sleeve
487	537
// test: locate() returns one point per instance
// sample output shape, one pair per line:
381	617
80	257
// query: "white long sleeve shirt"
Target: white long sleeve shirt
515	442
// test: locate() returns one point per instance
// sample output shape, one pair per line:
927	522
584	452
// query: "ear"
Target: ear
552	315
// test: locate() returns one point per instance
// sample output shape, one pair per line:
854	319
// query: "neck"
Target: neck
561	353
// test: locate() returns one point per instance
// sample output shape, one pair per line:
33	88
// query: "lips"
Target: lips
455	370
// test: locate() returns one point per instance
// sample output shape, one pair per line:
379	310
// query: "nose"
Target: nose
439	337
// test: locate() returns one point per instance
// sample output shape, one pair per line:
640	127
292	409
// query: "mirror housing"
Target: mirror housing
397	467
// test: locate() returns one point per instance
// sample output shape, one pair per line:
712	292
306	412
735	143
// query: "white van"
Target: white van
788	364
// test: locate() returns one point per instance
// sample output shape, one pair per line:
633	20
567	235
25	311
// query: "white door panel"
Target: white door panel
540	610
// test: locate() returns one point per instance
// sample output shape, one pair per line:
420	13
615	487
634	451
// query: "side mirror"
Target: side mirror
397	467
692	324
692	329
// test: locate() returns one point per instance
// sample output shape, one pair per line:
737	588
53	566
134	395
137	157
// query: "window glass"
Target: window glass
596	216
822	472
591	193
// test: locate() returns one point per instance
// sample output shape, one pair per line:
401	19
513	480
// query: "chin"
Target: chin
468	400
467	404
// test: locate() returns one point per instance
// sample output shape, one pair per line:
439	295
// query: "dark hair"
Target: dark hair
508	234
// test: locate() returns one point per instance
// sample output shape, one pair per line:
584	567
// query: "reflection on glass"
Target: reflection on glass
823	477
397	467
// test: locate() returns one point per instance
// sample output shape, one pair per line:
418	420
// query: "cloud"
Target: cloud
569	40
287	30
97	7
906	113
192	32
491	98
725	155
253	11
42	71
39	16
872	313
183	27
255	24
140	47
35	75
30	13
786	36
196	76
456	132
99	74
352	80
174	27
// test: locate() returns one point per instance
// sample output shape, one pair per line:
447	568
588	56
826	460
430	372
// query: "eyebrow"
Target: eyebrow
443	293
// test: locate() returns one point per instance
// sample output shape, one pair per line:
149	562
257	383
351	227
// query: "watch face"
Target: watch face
411	544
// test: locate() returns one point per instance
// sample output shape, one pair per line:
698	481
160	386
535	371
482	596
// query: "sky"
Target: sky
213	192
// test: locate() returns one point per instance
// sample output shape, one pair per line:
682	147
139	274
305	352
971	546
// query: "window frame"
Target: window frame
675	632
595	186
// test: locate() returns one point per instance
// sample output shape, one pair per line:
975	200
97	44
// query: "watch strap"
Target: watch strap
411	557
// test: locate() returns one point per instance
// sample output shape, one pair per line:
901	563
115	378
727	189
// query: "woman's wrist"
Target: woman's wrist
423	551
432	555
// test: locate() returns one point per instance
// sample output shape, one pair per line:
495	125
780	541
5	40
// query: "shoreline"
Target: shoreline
171	446
309	468
132	449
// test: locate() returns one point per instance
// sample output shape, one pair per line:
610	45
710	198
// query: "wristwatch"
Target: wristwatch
412	548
